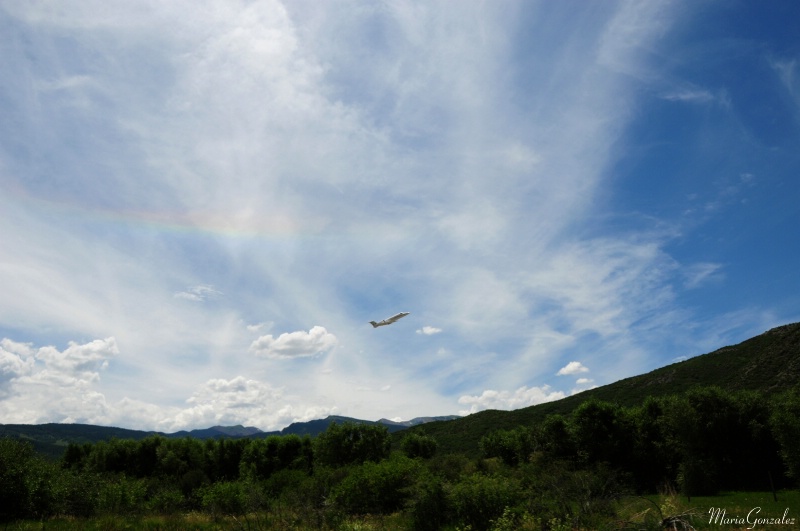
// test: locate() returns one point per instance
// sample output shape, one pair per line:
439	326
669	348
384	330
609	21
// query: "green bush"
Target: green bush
224	498
477	500
166	499
415	445
377	488
785	425
15	499
122	495
428	505
75	493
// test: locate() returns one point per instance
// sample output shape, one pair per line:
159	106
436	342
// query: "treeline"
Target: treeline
703	441
568	471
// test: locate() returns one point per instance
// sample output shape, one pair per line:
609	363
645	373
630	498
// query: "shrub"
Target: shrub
224	498
15	500
377	488
167	499
429	507
477	500
415	445
122	495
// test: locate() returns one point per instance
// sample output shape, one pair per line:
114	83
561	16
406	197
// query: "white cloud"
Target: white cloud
689	95
79	362
198	293
573	367
583	381
258	326
699	274
508	400
48	385
16	360
429	330
294	344
245	401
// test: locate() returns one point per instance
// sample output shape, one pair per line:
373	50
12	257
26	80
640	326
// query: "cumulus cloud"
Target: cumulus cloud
294	344
49	385
429	330
583	381
16	359
246	401
573	367
522	397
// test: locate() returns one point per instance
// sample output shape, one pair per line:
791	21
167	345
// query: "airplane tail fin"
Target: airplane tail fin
374	324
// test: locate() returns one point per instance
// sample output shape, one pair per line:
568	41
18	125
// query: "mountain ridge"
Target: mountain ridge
52	438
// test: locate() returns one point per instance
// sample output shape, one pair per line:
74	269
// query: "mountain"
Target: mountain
315	427
769	363
416	421
216	432
51	439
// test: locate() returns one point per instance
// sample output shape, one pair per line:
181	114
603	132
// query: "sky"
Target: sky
203	203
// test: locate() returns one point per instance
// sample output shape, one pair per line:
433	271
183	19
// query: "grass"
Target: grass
727	511
636	513
205	522
737	505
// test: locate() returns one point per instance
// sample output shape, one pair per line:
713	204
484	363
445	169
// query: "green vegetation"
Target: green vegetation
595	468
660	461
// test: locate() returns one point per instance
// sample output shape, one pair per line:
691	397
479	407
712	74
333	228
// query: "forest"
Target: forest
576	471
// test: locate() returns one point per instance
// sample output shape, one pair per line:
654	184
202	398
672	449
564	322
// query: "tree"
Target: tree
655	450
785	425
263	457
377	487
350	443
556	439
604	433
15	460
713	439
511	446
416	445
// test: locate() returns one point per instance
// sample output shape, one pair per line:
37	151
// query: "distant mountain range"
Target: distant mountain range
51	439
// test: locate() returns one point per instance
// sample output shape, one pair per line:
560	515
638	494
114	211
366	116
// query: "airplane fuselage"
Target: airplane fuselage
388	320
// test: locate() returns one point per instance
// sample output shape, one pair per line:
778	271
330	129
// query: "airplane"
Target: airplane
389	320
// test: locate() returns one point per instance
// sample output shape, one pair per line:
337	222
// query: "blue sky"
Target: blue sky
204	203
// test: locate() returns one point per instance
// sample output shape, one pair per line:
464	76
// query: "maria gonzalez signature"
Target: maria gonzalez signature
753	519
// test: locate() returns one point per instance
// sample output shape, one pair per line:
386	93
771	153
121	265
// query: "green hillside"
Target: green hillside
768	363
51	439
